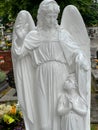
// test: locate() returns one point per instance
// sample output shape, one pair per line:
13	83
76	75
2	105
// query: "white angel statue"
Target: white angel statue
43	56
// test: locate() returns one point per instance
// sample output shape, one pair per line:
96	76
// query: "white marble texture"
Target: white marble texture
43	57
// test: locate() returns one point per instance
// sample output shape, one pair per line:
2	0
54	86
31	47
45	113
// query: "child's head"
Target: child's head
70	82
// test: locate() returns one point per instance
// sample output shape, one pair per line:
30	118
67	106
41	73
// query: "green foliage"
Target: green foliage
10	8
2	76
85	9
94	127
91	15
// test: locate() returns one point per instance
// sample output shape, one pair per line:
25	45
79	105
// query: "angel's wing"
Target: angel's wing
23	25
73	23
23	70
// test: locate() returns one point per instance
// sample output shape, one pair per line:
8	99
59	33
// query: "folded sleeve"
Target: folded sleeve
30	42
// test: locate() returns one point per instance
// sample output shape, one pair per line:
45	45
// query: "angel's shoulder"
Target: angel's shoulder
62	30
32	34
64	34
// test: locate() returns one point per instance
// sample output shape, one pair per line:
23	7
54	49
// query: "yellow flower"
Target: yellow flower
21	115
13	109
10	113
96	60
9	44
7	119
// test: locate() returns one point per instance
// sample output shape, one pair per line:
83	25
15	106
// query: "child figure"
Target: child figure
71	106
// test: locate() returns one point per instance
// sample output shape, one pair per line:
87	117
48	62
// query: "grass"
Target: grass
94	127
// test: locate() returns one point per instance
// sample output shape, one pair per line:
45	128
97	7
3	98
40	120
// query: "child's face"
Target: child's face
69	84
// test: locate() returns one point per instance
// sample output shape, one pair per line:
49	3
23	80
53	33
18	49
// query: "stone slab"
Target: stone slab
9	96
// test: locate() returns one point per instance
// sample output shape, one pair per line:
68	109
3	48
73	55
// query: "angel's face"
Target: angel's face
50	19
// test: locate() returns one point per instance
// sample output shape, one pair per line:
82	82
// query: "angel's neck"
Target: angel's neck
49	29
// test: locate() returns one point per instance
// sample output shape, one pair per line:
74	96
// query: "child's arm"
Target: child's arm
62	107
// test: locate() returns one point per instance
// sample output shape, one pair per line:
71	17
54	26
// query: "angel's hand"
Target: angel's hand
26	27
21	31
82	61
85	66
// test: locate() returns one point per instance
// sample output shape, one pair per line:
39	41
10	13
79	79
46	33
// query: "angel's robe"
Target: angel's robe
52	60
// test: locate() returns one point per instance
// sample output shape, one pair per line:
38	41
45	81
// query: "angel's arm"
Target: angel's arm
73	53
81	60
22	38
30	43
19	52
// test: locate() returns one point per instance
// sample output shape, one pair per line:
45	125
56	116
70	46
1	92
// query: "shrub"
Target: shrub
2	76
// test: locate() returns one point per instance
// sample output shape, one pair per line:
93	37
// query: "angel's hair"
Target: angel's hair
47	7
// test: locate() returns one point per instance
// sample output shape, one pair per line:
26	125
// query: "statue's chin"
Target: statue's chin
51	26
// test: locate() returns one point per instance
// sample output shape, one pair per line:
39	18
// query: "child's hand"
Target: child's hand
74	105
71	100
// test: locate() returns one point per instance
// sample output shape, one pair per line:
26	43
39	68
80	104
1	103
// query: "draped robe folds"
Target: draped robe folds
41	68
72	120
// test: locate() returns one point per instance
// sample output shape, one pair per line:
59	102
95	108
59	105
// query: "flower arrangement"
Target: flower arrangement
11	117
8	44
5	45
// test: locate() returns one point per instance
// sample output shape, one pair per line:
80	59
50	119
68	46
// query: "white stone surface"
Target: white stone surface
71	106
43	57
